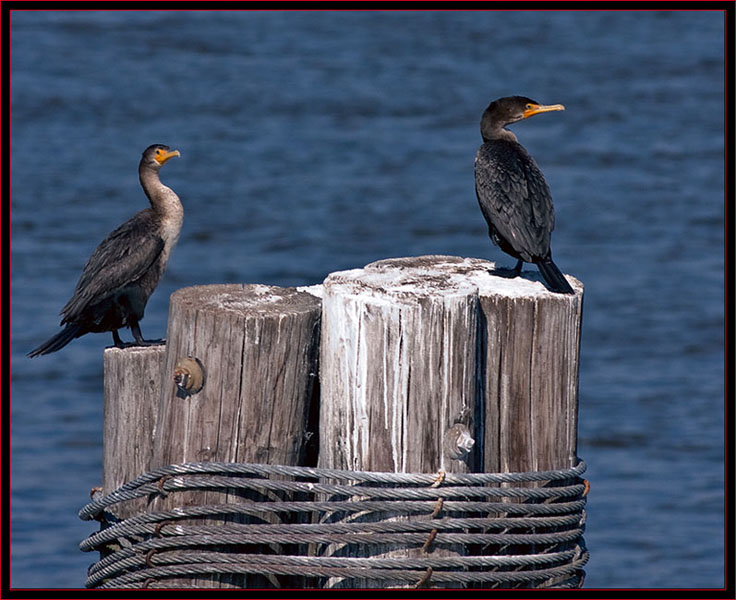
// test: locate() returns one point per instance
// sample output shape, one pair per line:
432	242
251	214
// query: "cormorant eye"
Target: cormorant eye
529	106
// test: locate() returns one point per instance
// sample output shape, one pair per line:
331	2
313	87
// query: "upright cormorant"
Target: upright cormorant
126	267
512	192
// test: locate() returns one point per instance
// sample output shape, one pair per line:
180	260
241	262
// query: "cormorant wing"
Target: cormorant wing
514	197
121	258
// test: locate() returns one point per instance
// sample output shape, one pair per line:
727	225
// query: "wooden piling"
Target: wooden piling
258	347
427	364
133	378
398	379
415	350
412	346
528	368
397	367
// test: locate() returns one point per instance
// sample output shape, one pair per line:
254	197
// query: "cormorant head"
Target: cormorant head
156	155
511	109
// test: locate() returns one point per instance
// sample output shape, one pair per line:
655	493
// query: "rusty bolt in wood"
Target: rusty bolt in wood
188	376
458	441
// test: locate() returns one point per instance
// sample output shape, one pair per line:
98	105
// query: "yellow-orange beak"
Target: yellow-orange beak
535	109
162	155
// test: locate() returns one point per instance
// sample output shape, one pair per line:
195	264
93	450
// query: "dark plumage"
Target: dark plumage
126	267
512	192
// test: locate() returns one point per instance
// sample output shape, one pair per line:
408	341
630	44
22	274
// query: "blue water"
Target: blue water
318	141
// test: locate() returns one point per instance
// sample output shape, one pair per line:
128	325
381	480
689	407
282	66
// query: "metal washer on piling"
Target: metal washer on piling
188	376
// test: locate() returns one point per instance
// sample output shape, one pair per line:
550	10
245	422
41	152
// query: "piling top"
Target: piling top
142	352
444	275
246	299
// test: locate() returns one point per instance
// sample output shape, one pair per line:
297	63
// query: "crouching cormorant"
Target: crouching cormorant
512	192
126	267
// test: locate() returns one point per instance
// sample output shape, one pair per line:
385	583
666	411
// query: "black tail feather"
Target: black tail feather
57	342
554	277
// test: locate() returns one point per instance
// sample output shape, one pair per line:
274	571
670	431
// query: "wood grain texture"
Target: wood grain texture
412	347
529	376
397	366
132	387
410	350
398	372
258	345
259	348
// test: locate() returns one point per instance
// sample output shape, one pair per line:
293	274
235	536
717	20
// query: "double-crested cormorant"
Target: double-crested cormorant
512	192
126	267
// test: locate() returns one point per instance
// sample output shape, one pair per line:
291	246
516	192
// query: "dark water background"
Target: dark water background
318	141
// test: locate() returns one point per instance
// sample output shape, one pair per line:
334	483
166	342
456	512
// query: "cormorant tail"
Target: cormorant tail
554	277
57	342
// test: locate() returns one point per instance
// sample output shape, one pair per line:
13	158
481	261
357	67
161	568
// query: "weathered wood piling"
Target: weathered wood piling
413	347
258	346
399	339
426	364
133	381
432	364
234	383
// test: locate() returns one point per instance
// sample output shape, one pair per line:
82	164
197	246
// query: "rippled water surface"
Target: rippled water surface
318	141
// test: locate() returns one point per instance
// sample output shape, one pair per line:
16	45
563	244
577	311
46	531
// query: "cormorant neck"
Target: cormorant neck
163	199
492	132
